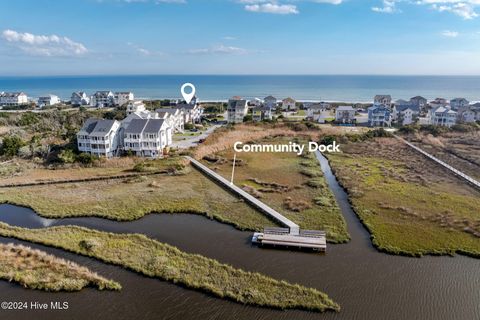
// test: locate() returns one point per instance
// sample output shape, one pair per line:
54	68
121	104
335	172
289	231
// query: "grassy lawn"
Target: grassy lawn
409	204
132	198
36	269
293	185
154	259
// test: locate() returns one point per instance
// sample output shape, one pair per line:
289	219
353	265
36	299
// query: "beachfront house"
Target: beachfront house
383	99
289	104
418	101
99	137
270	102
13	98
405	114
319	112
438	102
135	106
443	116
102	99
49	100
467	115
255	102
175	118
236	110
379	116
79	98
192	113
345	115
261	113
147	137
122	98
459	103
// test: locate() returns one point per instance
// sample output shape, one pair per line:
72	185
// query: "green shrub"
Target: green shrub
86	158
11	145
67	156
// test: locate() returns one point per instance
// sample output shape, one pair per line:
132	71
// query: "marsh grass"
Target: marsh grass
36	269
410	205
154	259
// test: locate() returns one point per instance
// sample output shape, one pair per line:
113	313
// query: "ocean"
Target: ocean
341	88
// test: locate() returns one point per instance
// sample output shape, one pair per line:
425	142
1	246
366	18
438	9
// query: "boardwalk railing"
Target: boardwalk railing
449	167
293	228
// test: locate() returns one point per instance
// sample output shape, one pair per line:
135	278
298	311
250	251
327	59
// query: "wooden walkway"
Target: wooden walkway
293	228
445	165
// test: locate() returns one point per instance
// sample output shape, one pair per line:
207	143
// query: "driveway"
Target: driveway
193	140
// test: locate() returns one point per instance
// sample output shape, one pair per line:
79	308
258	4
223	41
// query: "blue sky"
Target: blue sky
76	37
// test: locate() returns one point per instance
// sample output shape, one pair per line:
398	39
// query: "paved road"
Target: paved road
193	140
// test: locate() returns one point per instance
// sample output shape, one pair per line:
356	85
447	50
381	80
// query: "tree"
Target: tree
11	145
67	156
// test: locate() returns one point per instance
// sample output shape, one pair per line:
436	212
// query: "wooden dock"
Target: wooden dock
309	239
290	237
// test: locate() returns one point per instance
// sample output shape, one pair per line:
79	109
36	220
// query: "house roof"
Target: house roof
345	108
11	94
153	125
418	98
99	127
404	107
172	111
318	106
242	103
103	94
270	98
459	100
383	96
289	100
136	126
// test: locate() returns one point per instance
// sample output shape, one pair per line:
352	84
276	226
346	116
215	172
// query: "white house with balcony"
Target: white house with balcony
405	114
49	100
383	99
379	116
345	115
175	118
102	99
270	102
443	116
289	104
147	137
192	113
79	98
319	112
13	98
99	137
135	106
236	110
122	98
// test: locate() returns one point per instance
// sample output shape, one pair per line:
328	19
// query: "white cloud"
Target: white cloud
462	9
450	34
389	6
42	45
273	8
142	51
221	49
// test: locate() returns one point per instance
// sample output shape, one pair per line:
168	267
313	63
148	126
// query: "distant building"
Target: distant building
318	112
270	102
99	137
236	110
418	101
49	100
135	106
384	99
379	116
13	98
345	114
121	98
405	114
289	104
459	103
443	116
261	113
255	102
79	98
438	102
102	99
174	117
147	137
191	111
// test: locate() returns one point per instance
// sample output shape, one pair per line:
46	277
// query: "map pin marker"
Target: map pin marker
188	96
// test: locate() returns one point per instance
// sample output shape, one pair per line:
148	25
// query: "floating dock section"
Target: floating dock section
291	236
